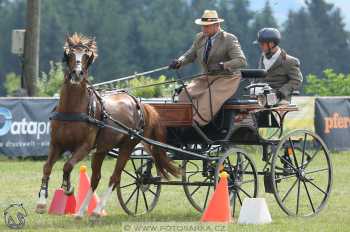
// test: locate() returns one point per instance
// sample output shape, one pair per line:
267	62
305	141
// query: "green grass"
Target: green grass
20	181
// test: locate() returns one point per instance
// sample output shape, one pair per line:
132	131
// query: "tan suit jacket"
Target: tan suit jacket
208	93
225	48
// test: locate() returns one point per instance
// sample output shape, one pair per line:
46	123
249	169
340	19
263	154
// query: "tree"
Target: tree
237	17
331	84
262	19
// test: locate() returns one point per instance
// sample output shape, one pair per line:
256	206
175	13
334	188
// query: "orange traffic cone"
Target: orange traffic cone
218	209
70	205
83	188
58	203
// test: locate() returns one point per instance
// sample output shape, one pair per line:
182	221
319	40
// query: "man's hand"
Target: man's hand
175	64
216	67
279	95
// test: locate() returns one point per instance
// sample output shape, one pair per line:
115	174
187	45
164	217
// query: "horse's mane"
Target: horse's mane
81	40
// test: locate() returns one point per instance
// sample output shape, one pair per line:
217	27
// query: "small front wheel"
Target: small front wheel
243	177
137	193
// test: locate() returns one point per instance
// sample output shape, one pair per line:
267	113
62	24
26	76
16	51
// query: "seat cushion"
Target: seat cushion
234	101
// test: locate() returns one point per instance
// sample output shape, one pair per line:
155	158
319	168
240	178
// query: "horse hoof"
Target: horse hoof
95	217
69	192
78	217
40	208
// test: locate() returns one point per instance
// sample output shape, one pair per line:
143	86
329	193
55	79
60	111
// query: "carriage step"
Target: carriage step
268	182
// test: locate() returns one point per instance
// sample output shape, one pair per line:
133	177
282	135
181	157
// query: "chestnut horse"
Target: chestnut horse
70	131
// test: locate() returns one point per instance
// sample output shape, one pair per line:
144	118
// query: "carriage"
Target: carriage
296	166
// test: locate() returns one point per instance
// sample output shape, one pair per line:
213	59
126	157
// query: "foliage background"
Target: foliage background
137	35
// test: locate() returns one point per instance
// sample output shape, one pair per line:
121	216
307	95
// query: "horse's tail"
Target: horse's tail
154	130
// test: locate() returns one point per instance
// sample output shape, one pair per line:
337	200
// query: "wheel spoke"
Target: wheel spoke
319	170
206	197
234	196
145	200
285	177
289	190
293	150
198	187
239	199
288	163
308	196
298	197
137	200
130	174
312	183
244	191
152	192
312	157
128	185
133	164
132	194
303	154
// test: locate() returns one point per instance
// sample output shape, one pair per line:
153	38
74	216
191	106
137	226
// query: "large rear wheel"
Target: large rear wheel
301	172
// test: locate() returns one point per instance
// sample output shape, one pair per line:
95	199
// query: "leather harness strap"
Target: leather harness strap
91	117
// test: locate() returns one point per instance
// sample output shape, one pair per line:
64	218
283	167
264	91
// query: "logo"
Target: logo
15	216
5	121
22	127
336	121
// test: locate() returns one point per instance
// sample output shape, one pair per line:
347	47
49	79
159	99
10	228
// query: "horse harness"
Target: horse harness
92	117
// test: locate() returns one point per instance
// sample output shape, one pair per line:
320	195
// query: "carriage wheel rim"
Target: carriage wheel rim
235	194
140	195
300	182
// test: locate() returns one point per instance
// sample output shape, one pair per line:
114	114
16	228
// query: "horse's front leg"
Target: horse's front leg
69	165
96	164
54	154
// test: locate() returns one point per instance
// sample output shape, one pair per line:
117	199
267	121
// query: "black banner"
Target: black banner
25	126
332	122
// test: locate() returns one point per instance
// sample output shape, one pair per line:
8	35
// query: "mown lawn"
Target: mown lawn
20	181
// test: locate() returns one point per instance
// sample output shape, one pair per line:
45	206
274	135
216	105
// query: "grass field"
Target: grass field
20	181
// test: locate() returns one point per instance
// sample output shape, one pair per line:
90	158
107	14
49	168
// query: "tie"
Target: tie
207	50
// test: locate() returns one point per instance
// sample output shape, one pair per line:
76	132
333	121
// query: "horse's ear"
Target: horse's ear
90	60
65	56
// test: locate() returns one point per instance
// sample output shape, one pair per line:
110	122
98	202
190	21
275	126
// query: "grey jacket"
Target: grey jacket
225	48
284	75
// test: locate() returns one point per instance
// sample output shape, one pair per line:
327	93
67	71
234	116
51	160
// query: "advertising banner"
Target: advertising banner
25	126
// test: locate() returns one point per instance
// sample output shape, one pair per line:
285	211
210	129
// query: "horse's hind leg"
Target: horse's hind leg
54	154
124	153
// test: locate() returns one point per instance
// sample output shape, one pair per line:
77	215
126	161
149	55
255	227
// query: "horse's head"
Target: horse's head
79	53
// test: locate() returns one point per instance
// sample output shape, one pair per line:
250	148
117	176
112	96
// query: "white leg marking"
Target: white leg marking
85	204
102	204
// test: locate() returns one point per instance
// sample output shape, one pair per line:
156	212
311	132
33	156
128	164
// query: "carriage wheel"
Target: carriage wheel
136	193
243	177
301	172
198	178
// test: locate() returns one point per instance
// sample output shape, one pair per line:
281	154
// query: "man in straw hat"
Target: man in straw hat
221	58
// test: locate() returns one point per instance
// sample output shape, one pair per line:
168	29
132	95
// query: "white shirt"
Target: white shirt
269	62
213	37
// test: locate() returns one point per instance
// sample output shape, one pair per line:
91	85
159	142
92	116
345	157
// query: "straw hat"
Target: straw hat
209	17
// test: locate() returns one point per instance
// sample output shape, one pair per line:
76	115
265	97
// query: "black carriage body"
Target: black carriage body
207	151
